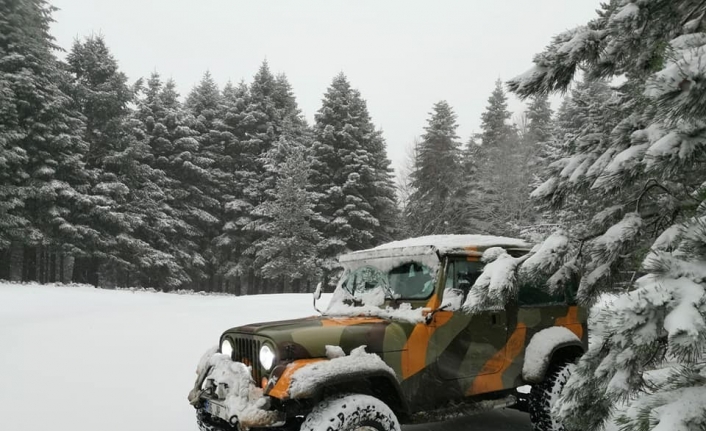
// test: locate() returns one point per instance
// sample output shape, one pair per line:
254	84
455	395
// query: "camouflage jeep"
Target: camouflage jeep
397	344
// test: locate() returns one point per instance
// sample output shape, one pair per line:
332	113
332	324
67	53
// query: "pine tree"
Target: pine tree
205	97
42	180
209	182
121	178
166	128
239	163
539	115
472	159
435	204
499	201
255	118
494	121
288	248
645	178
352	173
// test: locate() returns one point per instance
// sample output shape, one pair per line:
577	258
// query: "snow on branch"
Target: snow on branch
496	284
555	67
607	247
606	253
547	258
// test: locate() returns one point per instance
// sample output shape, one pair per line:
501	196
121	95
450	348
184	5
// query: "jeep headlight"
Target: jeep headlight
227	348
267	357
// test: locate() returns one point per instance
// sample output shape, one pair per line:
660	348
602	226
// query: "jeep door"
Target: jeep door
468	345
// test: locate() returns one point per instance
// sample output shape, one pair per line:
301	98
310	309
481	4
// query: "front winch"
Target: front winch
225	389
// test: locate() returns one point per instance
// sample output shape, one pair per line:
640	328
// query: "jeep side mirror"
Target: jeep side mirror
317	296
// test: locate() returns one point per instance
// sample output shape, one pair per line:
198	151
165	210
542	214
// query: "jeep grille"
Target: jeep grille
246	350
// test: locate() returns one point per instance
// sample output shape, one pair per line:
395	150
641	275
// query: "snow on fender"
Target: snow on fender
540	349
306	380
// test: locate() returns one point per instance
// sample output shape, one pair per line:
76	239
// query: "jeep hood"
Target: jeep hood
308	337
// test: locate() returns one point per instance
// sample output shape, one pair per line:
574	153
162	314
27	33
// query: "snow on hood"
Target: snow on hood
404	312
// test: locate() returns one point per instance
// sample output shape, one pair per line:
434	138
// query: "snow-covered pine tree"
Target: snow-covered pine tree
539	116
288	250
496	130
503	176
351	173
238	163
100	92
254	119
286	104
648	178
435	206
163	125
471	161
583	124
277	115
536	141
208	180
404	187
42	175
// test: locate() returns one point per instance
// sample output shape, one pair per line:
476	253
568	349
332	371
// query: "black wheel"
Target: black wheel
544	396
206	423
351	412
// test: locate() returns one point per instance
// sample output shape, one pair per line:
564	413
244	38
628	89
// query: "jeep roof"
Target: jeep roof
440	245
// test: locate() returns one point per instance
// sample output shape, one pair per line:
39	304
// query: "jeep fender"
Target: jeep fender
310	378
545	346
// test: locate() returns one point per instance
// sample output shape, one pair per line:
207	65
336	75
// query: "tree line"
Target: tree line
113	183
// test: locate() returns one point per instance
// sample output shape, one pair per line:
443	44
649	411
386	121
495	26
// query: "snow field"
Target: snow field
79	358
76	358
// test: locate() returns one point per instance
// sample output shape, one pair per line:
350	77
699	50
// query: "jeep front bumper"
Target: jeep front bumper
225	391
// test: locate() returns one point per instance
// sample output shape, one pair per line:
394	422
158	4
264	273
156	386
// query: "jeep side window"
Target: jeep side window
533	294
364	280
411	281
460	276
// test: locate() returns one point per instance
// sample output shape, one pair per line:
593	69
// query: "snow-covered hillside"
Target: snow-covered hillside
85	359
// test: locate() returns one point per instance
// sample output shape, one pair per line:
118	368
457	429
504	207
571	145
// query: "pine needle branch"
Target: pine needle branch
649	185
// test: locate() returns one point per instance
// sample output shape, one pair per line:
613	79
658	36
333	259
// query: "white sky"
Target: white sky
403	55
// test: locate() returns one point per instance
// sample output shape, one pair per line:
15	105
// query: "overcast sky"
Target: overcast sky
402	55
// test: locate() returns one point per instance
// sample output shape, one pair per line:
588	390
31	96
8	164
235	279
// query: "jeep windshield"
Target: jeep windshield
372	285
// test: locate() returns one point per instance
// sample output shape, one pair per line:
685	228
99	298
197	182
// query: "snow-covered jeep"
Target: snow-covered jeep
416	330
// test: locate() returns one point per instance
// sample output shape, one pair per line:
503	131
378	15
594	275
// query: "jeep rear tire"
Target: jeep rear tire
351	412
544	396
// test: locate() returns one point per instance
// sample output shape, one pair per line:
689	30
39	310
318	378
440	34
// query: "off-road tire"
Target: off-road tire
350	412
544	396
205	424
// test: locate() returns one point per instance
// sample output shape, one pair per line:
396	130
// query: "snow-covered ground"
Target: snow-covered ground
85	359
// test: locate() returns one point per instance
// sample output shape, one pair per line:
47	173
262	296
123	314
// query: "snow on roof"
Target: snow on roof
433	244
454	243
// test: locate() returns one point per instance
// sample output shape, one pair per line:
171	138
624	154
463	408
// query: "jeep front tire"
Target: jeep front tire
544	396
351	412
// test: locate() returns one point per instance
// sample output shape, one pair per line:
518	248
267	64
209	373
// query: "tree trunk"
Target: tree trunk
60	267
52	266
86	271
67	268
16	261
